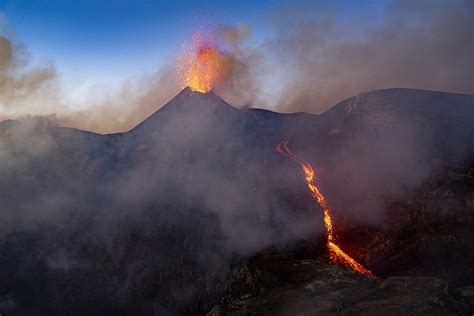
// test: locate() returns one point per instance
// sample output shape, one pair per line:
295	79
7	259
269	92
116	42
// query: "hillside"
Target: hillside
155	219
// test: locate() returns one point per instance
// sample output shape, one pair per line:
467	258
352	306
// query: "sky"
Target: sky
299	56
109	41
96	42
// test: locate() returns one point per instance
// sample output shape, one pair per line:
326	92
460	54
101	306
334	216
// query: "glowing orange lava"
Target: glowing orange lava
202	65
336	254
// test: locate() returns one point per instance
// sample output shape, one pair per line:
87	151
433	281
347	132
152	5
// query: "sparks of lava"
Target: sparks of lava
336	254
201	65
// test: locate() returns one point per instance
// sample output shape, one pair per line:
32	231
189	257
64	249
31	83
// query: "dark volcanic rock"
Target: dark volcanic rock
429	233
281	285
152	221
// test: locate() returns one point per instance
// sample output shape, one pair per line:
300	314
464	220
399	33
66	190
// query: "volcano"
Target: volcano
156	219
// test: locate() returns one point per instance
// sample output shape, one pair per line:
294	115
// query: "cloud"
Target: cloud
25	87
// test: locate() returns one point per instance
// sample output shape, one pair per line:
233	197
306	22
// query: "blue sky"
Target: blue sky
105	42
108	40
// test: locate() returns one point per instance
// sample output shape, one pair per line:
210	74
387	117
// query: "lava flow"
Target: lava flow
336	254
203	64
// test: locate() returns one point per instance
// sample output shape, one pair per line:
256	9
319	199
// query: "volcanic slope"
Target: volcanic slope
152	220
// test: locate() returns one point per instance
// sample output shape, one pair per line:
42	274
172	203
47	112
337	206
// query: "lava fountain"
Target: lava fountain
336	254
201	65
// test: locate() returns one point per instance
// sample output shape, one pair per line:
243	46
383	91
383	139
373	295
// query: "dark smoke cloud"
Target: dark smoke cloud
414	44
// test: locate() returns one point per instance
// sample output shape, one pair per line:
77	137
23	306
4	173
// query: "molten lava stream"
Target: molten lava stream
336	254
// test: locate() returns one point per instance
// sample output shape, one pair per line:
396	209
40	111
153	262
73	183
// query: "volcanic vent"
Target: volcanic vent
203	63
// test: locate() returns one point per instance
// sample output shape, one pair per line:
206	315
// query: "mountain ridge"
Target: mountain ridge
214	98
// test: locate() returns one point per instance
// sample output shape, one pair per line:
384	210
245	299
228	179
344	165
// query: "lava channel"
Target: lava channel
336	254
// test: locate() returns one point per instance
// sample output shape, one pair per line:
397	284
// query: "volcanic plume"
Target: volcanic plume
203	64
336	254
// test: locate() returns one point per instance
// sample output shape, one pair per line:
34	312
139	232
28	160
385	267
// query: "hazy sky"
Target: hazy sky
105	42
108	41
95	57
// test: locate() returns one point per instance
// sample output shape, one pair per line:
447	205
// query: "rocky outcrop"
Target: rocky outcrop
428	233
273	284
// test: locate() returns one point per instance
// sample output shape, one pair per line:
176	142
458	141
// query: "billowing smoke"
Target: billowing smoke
24	87
241	86
324	59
